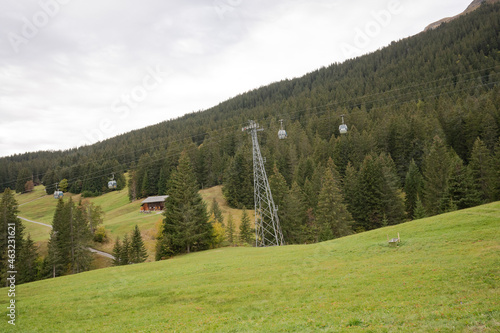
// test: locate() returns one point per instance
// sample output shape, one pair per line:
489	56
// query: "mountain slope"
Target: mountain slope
120	217
472	7
444	276
458	64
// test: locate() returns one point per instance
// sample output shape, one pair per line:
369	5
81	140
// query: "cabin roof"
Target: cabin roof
160	198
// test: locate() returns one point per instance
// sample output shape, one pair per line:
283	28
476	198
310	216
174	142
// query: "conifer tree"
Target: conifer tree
23	176
293	221
11	229
58	242
279	189
28	261
117	250
230	230
145	185
238	181
125	251
436	174
162	182
333	218
419	211
246	236
185	227
138	252
217	212
496	172
481	169
463	193
413	187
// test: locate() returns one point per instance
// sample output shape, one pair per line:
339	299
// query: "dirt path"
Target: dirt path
104	254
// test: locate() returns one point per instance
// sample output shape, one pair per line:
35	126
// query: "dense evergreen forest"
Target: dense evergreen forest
424	125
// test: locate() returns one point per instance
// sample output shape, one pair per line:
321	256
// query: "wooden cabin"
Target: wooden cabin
152	204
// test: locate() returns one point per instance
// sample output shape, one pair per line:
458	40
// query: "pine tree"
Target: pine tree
162	182
145	185
496	172
125	251
23	176
294	215
11	229
246	236
185	226
419	211
333	218
238	181
436	174
463	193
230	230
137	251
28	261
217	212
132	186
482	172
117	250
392	197
58	242
413	187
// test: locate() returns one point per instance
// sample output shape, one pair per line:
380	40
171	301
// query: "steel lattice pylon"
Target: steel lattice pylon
267	225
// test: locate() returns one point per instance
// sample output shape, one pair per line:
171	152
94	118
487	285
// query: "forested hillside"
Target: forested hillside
423	117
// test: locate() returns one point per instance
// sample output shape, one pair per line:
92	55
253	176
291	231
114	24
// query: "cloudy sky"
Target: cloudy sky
74	72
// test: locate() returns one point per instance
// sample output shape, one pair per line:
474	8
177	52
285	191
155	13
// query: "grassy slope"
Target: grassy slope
120	215
445	276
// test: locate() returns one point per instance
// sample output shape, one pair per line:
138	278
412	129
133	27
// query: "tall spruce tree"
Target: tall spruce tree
185	227
117	250
28	261
11	233
58	242
23	176
333	218
294	215
482	170
125	251
216	212
413	187
230	230
246	235
138	252
69	240
436	174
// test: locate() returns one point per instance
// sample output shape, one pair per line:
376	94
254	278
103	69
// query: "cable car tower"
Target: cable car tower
267	225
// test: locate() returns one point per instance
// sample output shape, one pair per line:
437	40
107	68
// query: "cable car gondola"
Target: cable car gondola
112	183
343	126
58	194
282	133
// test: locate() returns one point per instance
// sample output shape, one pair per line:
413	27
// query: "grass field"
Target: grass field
444	276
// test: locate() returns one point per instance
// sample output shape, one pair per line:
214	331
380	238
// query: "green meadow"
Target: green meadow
444	276
120	216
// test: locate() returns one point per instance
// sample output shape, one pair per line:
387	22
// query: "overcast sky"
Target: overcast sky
74	72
